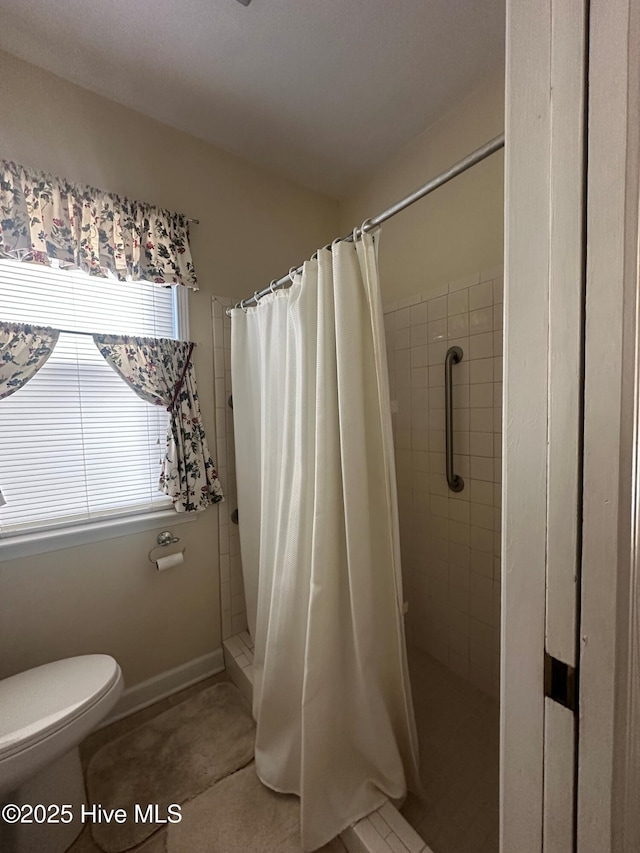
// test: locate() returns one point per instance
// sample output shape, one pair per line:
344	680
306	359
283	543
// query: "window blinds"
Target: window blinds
75	442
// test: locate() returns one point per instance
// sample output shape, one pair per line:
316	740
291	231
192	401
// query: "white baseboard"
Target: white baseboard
165	684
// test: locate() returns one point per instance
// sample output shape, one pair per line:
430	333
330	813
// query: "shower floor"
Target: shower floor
458	732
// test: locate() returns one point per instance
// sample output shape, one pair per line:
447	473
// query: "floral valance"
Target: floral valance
44	218
161	372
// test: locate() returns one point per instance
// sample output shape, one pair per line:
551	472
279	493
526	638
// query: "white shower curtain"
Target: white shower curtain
319	543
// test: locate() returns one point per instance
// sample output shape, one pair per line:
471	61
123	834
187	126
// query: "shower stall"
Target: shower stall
442	392
450	545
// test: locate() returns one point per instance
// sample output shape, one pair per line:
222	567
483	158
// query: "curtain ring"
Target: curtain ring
361	230
241	305
292	273
271	285
256	296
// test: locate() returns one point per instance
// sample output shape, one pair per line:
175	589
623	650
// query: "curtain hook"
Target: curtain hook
272	285
256	296
292	274
241	305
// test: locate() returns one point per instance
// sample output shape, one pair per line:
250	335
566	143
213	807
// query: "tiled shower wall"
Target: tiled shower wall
450	542
234	617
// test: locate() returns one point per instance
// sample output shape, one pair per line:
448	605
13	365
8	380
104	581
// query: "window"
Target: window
76	444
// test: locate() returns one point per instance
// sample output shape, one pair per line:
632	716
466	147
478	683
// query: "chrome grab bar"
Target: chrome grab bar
453	356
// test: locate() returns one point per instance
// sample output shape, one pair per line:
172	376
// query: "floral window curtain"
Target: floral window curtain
43	218
23	351
161	372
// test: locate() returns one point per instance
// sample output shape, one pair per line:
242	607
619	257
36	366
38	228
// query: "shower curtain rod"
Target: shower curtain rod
470	160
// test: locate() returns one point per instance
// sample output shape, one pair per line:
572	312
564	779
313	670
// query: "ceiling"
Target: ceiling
321	91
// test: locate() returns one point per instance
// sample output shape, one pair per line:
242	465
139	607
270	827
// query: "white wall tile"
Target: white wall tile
481	395
460	511
481	540
457	302
481	370
436	331
480	346
460	441
436	419
402	338
481	443
419	335
419	440
482	419
481	492
459	555
437	353
481	515
403	318
448	538
419	314
482	468
460	454
458	325
419	356
420	376
437	308
481	598
497	369
498	319
481	563
436	398
439	507
480	321
481	295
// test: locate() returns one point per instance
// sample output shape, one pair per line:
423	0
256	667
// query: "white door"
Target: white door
608	813
570	749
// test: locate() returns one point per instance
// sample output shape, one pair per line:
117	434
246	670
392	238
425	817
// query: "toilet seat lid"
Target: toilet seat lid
36	703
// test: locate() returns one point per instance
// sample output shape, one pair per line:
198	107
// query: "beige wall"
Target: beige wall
107	597
458	229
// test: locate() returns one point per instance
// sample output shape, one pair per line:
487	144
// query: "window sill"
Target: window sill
30	544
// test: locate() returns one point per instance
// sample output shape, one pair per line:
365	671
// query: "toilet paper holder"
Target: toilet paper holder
162	541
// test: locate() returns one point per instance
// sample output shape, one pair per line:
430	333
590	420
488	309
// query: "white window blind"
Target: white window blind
75	442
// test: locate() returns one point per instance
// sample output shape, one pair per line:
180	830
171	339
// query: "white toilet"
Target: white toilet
44	715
